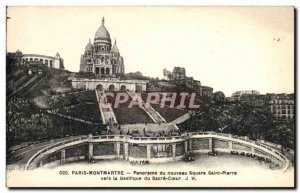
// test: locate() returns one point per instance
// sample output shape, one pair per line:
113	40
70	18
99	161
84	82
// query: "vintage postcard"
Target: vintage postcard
170	97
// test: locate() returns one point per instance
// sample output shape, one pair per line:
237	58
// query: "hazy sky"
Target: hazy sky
228	49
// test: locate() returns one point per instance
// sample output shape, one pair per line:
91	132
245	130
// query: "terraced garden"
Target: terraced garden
65	127
87	112
169	114
68	99
127	115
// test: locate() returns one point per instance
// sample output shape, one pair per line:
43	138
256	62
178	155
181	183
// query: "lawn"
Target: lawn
127	115
169	114
63	127
88	112
62	100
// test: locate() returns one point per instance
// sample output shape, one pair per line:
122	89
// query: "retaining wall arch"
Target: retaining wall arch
129	148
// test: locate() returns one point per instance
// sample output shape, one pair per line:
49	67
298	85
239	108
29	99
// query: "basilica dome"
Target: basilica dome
102	32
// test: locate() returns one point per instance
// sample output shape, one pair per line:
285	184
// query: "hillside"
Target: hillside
243	120
32	96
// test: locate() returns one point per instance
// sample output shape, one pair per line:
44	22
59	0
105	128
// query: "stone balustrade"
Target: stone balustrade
152	149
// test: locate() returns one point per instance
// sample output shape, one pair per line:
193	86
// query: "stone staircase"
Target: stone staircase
107	113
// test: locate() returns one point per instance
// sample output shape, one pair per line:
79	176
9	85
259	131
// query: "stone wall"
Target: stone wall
121	149
239	146
180	149
91	84
198	144
156	151
52	157
104	149
77	150
161	150
220	144
138	151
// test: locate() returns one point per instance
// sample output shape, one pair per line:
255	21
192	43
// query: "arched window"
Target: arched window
102	70
123	88
31	59
111	87
107	70
102	59
99	87
51	64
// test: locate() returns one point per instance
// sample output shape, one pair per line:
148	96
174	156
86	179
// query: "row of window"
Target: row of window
46	62
102	48
89	68
101	70
282	102
89	53
283	106
101	61
284	112
287	117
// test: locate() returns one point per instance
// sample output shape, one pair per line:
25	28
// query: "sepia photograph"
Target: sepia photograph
150	97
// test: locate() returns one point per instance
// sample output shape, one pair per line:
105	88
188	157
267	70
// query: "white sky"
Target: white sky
228	49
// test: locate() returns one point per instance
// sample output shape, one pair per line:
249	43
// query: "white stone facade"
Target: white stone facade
51	62
101	58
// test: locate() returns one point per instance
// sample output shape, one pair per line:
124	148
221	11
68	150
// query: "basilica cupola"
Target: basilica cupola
102	41
89	49
89	46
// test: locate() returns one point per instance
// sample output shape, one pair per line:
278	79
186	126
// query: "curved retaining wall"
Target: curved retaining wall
150	149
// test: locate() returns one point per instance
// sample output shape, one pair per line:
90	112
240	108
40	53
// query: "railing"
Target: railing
131	139
240	138
61	143
76	79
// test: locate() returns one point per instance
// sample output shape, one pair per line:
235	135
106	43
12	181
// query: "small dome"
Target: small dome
89	46
115	48
102	32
